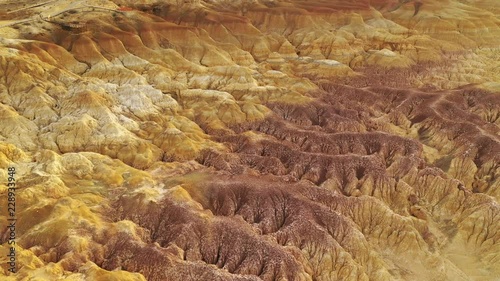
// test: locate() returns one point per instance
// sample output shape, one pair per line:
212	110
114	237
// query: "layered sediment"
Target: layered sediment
251	140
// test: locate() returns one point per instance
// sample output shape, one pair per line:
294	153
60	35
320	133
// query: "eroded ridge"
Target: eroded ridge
251	140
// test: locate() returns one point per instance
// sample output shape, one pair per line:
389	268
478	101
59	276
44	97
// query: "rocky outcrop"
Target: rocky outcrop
251	140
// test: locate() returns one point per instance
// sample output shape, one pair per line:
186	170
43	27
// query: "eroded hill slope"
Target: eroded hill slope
252	140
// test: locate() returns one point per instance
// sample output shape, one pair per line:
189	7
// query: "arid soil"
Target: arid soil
251	140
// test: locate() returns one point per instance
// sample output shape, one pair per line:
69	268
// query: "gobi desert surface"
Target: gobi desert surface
251	139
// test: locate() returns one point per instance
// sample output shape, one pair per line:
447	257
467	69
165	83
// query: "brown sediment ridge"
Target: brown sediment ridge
253	140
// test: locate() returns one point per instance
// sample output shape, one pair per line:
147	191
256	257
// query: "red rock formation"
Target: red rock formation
252	140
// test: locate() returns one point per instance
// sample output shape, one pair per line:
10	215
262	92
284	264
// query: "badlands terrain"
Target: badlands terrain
247	140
